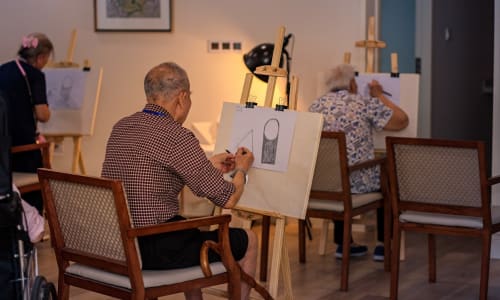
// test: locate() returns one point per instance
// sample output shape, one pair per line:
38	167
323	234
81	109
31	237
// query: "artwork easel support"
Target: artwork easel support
371	45
280	259
77	163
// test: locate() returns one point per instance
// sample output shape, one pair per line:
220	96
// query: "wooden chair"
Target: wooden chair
96	246
28	182
440	187
331	197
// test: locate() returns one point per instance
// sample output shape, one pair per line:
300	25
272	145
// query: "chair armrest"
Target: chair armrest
44	147
30	147
494	180
178	225
368	164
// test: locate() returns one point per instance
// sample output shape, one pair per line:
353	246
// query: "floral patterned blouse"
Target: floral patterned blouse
357	117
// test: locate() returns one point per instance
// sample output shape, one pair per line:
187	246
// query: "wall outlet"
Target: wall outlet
213	46
236	46
223	46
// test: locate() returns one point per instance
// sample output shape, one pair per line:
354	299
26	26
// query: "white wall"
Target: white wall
323	30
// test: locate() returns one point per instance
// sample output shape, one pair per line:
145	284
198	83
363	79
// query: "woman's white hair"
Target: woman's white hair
340	77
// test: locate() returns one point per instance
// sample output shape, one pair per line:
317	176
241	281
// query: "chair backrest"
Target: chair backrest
331	174
89	218
440	175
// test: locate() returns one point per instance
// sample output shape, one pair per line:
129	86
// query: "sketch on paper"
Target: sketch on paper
133	8
267	133
270	141
391	85
246	141
65	88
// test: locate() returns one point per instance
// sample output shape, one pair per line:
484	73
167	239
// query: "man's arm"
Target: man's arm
243	161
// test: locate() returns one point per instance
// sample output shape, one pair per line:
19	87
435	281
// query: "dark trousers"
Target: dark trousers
34	199
338	228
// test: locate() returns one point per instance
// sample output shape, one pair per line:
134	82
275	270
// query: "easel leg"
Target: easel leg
264	247
80	163
280	256
77	155
285	271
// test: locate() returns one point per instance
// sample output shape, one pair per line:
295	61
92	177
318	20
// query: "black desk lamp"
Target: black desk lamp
262	55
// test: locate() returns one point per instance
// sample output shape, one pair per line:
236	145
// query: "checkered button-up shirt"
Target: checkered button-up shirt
357	117
154	157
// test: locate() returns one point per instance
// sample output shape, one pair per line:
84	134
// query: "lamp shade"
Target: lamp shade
261	55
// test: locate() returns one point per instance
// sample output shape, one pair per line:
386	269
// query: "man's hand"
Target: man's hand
223	161
243	159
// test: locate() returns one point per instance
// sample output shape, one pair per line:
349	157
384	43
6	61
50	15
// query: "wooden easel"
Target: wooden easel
280	259
77	138
371	45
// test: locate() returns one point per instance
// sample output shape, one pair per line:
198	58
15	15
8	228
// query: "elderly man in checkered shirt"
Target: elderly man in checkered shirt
155	157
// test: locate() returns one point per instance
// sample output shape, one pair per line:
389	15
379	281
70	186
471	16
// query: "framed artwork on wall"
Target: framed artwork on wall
132	15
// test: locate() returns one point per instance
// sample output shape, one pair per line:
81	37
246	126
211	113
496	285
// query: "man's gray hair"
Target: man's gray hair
165	81
340	77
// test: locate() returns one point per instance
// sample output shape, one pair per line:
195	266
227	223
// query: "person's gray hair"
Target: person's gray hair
340	77
33	45
165	81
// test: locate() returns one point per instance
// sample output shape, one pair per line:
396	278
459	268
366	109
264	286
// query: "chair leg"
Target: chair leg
346	255
396	246
302	241
432	257
264	247
485	266
387	236
62	289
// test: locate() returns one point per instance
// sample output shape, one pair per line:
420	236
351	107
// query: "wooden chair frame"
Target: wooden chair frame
400	206
131	267
33	185
349	211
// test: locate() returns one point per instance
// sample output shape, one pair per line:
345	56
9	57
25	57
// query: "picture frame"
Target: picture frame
144	15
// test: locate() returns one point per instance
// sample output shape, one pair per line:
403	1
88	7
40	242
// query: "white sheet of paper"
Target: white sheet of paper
65	88
390	85
267	133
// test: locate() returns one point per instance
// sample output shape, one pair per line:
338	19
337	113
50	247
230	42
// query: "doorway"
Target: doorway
462	71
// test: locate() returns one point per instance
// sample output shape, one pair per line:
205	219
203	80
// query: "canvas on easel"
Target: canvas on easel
403	91
73	96
277	192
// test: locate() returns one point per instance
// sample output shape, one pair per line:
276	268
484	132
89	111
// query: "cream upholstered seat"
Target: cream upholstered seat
441	187
331	197
96	245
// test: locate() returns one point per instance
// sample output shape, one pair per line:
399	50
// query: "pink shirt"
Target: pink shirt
33	222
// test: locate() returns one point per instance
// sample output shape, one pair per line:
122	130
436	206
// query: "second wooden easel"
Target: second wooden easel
77	163
280	259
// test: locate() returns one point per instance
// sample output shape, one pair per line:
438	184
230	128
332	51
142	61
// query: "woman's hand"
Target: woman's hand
376	89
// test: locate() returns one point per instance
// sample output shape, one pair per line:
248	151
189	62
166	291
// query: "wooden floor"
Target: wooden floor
457	274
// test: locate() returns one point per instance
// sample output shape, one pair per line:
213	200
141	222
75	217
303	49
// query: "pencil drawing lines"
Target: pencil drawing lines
246	140
270	141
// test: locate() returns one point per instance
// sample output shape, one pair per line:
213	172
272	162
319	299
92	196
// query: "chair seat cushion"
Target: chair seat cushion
449	220
151	278
21	179
358	200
